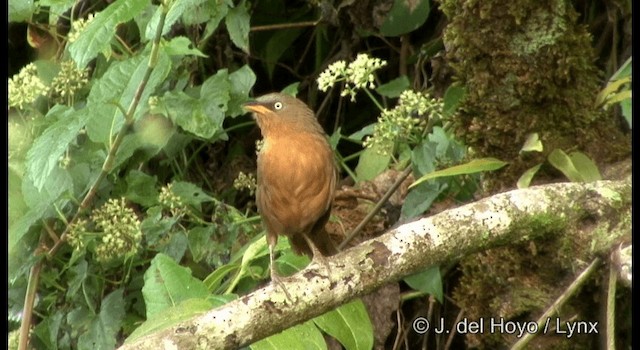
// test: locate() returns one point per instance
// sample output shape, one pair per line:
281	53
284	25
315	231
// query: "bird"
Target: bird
296	177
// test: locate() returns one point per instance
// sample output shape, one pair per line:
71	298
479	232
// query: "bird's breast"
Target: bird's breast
296	181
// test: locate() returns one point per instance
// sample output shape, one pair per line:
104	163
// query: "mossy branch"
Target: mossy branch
506	218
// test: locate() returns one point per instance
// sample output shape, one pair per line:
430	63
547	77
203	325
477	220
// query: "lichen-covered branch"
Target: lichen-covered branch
502	219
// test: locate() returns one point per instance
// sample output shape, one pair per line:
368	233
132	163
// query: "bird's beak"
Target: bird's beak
256	107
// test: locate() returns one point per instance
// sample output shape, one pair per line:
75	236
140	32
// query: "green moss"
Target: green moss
528	67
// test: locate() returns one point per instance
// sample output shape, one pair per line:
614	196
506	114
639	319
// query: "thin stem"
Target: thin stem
543	321
377	208
373	99
611	308
109	162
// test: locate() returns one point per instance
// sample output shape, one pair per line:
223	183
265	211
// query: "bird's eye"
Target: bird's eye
277	105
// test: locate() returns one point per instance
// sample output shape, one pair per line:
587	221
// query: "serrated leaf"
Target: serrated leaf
587	169
394	88
202	116
177	9
185	310
525	179
305	336
405	16
96	37
167	284
181	46
199	239
562	162
217	13
47	330
47	149
371	163
428	281
141	188
349	324
118	86
532	143
472	167
237	21
103	329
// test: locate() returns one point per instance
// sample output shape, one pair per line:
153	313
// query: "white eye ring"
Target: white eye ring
277	105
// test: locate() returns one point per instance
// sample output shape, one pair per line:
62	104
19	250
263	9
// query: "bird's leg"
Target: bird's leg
275	278
317	255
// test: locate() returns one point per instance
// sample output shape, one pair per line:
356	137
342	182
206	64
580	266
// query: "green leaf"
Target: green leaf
349	324
202	116
305	336
217	13
626	111
472	167
44	155
365	131
428	281
181	46
291	89
420	199
532	144
47	330
452	99
214	280
562	162
141	188
103	329
118	86
184	310
423	158
237	21
525	179
585	166
20	10
290	263
167	284
177	9
98	34
405	16
199	240
242	81
395	87
623	71
371	164
190	194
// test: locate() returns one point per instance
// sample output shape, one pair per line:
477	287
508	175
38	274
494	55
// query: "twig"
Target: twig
568	293
377	208
111	157
611	308
447	345
29	300
281	26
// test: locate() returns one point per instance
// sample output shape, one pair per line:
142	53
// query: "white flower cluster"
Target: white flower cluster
403	121
77	27
25	87
356	75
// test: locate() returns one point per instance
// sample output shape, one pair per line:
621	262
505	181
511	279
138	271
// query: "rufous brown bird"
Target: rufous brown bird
296	176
